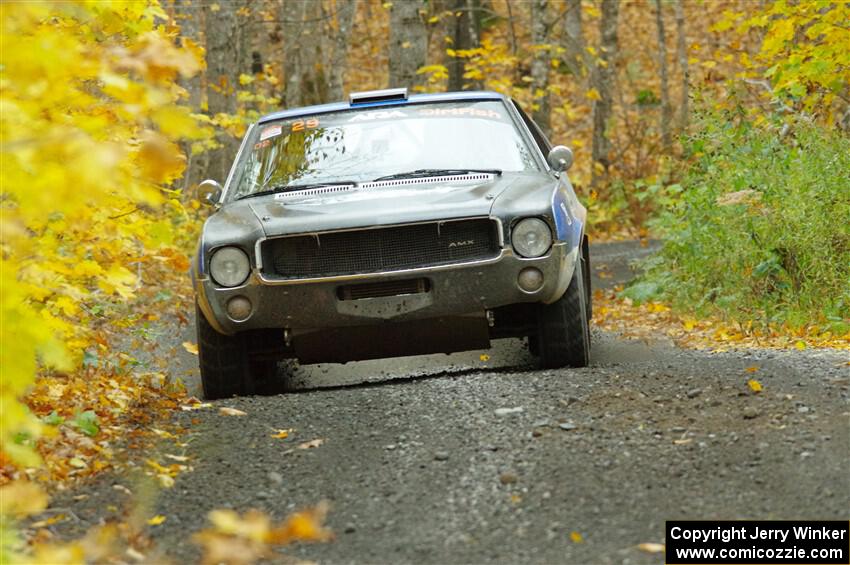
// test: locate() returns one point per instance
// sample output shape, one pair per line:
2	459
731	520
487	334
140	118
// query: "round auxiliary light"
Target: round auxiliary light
229	266
238	308
530	279
531	237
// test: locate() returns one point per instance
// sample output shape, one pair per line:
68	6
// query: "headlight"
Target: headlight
229	266
531	237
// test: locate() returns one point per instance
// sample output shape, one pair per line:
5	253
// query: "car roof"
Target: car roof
413	99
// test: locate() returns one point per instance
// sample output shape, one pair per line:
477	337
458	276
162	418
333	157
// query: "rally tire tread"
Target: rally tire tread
223	360
563	332
588	303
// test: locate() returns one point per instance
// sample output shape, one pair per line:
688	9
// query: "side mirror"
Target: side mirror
560	158
209	192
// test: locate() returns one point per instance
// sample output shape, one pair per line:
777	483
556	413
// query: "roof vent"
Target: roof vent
377	96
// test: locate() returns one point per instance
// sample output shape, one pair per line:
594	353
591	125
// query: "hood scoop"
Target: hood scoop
472	178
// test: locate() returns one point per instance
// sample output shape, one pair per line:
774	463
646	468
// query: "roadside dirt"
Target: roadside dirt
471	459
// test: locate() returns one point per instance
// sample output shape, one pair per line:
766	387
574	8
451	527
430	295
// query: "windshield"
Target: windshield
362	145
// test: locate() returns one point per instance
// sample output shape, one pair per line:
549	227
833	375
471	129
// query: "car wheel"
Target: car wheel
223	360
585	255
245	363
563	332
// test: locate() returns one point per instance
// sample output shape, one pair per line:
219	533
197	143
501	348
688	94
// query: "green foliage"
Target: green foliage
761	230
628	204
646	97
87	423
53	419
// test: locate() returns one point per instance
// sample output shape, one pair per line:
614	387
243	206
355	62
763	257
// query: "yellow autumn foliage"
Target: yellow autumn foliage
804	52
88	134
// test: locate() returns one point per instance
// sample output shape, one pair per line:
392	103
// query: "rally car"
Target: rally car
390	225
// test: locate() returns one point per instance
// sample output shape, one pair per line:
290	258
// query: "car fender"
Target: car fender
233	225
569	217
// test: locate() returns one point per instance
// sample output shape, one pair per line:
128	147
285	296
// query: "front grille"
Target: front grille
380	249
383	289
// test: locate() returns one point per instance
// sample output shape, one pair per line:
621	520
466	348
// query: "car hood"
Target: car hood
345	209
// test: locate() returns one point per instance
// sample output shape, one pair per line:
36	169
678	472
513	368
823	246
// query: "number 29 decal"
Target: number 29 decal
301	125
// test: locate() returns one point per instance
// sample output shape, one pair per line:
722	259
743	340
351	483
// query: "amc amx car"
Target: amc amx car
390	225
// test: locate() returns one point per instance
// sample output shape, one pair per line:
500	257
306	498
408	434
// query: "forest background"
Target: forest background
718	125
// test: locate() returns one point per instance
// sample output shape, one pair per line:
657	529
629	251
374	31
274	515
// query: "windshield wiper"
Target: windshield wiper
436	173
294	187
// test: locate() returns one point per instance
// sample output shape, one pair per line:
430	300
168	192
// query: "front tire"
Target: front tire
223	360
563	330
585	256
229	365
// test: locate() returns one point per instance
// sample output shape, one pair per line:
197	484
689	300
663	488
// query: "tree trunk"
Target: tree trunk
303	66
540	64
682	53
314	82
474	22
225	44
290	12
666	110
244	49
465	32
190	17
408	43
339	61
573	37
603	82
513	35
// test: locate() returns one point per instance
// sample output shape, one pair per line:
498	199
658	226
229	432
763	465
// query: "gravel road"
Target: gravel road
451	459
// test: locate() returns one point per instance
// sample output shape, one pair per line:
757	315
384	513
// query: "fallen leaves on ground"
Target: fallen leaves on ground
653	319
576	537
651	547
754	385
243	539
114	401
193	403
282	434
312	443
156	520
23	498
190	347
227	411
165	474
233	538
87	414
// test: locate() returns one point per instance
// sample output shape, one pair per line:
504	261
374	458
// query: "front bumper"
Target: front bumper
454	290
